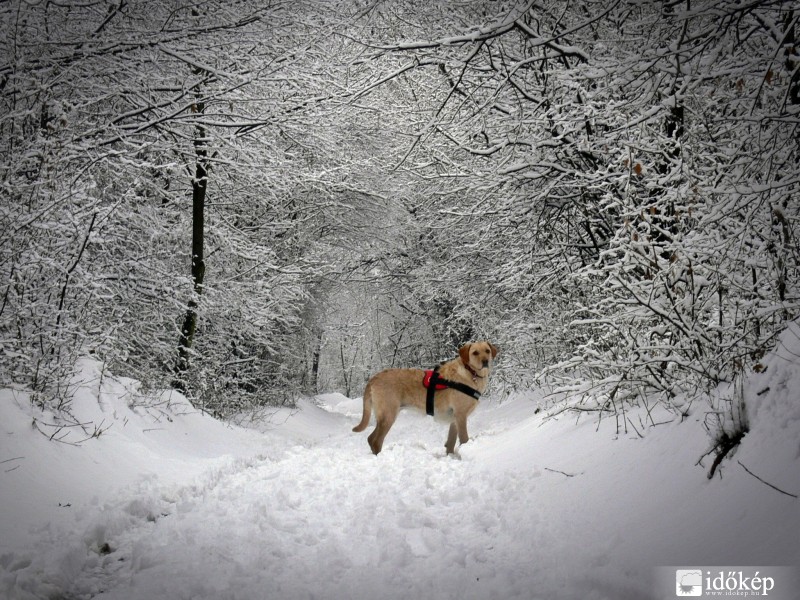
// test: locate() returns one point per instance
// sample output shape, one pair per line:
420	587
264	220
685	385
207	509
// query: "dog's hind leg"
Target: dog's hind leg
384	422
371	439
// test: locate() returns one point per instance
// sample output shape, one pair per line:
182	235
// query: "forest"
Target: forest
254	200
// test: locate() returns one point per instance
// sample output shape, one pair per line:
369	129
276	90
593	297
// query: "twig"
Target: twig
766	482
560	472
628	419
63	425
72	268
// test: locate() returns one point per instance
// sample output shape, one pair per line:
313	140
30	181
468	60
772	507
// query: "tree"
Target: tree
113	112
603	198
607	190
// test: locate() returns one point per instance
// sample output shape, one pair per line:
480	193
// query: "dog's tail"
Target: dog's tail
367	410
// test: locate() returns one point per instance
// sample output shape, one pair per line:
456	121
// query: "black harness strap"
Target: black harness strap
464	389
431	391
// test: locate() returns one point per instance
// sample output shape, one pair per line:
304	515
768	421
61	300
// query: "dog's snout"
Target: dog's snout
485	362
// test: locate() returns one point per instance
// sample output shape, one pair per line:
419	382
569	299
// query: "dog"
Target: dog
392	389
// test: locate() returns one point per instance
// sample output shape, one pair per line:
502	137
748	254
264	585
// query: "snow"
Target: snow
170	503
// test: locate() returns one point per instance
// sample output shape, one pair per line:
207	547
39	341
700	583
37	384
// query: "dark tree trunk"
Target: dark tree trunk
315	364
199	185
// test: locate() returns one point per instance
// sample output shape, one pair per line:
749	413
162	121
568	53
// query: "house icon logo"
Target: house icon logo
688	583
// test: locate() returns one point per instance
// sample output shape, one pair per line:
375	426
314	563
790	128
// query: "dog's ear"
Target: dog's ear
494	349
464	353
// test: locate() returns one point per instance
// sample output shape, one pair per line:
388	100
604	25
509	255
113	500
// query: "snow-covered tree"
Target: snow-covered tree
607	190
617	178
134	135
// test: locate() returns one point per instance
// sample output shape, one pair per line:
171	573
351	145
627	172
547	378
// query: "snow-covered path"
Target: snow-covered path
326	519
332	521
299	508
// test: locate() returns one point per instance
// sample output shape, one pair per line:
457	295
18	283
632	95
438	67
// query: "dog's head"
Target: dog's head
478	356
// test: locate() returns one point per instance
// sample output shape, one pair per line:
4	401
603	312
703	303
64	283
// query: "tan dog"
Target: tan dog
393	389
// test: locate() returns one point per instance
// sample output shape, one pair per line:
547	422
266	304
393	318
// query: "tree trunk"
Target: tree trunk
315	365
199	185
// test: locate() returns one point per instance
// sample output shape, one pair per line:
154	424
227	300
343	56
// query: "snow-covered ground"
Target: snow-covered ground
169	503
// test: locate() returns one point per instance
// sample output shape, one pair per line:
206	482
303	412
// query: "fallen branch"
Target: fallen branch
766	482
560	472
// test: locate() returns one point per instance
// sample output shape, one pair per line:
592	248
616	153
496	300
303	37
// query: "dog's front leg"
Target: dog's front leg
461	426
450	444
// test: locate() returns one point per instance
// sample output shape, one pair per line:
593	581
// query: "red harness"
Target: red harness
445	383
426	381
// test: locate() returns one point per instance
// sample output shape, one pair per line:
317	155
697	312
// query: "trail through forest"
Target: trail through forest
169	503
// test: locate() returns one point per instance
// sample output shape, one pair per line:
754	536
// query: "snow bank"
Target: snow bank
169	503
61	502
